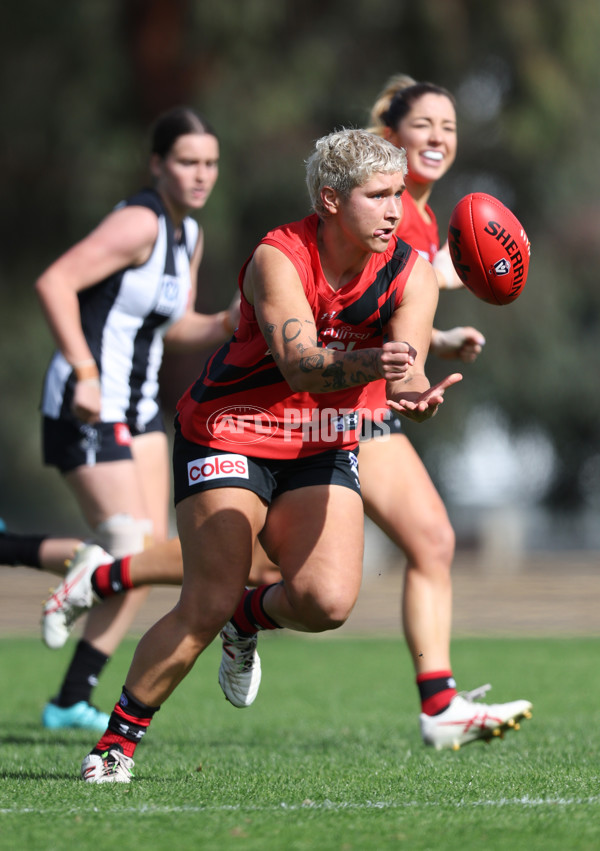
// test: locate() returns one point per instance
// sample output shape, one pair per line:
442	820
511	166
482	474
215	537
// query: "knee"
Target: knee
199	628
433	546
325	611
204	618
444	543
122	535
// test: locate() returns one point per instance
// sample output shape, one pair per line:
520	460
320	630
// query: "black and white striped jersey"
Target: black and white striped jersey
124	319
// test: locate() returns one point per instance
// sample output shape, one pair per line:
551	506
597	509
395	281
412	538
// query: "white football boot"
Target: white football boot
73	596
465	721
110	767
240	672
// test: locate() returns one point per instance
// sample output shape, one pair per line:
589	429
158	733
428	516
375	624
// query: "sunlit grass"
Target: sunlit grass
329	757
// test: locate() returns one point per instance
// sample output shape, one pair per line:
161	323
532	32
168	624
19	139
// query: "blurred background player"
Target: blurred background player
398	492
112	301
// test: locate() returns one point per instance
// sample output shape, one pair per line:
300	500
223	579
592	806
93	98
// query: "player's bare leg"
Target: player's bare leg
41	552
217	533
315	535
138	489
401	499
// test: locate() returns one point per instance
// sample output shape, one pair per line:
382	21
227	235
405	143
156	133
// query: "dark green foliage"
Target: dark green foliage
80	83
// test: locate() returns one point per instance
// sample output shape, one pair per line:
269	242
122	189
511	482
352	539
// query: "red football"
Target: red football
489	248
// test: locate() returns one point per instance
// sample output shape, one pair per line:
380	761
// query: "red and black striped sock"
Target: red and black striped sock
250	615
112	578
128	723
436	688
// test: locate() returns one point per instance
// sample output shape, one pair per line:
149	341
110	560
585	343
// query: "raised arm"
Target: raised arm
286	320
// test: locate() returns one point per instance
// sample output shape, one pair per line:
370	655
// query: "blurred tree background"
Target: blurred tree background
81	83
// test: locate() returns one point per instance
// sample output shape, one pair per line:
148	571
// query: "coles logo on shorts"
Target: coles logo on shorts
122	434
217	467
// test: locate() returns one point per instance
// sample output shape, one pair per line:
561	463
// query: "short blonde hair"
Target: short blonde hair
349	158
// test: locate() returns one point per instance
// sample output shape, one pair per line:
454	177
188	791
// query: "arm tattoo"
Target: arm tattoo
269	333
338	380
312	344
291	330
334	374
366	365
312	362
359	368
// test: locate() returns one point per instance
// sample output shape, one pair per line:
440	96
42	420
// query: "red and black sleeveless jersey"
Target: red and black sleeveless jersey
242	402
423	237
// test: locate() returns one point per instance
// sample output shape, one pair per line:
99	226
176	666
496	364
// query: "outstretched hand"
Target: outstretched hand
421	406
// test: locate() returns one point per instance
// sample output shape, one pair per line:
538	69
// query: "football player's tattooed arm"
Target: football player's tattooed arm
285	318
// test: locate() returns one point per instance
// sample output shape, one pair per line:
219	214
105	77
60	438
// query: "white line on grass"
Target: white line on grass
145	809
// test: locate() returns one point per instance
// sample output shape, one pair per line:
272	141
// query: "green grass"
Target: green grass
329	757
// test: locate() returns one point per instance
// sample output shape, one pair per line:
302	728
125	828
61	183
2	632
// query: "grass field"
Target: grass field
329	756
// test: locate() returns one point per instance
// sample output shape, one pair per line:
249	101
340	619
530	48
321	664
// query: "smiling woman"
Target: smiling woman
421	119
398	493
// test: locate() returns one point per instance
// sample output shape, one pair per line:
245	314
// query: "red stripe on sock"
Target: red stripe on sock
101	580
438	702
132	719
262	620
242	624
109	739
126	573
249	617
433	675
436	696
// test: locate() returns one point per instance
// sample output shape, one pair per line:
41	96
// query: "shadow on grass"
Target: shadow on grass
47	737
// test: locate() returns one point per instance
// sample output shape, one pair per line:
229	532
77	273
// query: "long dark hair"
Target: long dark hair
174	123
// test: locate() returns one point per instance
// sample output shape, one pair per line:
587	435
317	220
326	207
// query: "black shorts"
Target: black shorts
380	429
68	445
199	468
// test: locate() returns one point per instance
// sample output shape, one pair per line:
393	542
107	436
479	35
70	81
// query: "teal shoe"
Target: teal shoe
80	716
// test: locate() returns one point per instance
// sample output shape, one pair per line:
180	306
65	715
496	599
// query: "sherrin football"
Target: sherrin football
489	248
